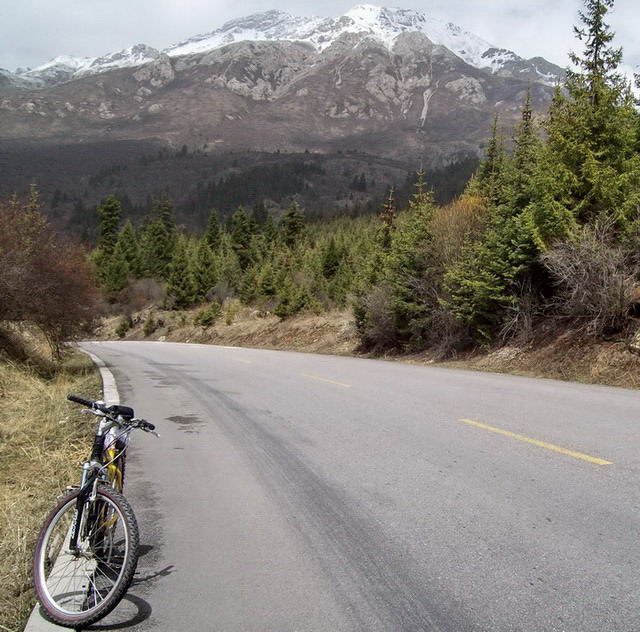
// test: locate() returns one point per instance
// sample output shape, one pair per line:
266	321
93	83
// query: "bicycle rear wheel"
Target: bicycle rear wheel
80	587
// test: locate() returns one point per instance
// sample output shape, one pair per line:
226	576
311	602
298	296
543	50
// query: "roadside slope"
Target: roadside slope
562	355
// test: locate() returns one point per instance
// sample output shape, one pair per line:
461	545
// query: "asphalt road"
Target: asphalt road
296	492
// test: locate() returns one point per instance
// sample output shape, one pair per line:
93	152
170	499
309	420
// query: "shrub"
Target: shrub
44	279
455	225
231	309
150	325
209	315
596	280
123	327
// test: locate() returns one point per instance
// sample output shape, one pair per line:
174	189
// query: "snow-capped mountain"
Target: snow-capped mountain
382	24
65	67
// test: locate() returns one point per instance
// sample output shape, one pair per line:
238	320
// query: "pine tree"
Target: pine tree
410	271
331	258
291	225
128	242
491	173
214	232
592	130
205	271
156	250
115	275
241	231
110	213
387	219
180	284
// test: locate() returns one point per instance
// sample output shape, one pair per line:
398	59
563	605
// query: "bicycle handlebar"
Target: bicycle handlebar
113	411
80	400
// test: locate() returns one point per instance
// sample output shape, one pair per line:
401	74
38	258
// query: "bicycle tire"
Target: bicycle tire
108	552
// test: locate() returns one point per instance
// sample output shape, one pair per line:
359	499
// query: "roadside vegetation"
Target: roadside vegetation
47	298
42	442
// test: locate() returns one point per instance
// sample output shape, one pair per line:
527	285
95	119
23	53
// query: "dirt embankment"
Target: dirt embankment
563	356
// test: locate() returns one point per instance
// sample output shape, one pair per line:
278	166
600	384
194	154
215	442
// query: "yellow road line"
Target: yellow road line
541	444
324	379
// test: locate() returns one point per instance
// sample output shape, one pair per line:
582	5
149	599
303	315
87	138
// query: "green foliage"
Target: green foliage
181	288
110	213
291	225
214	232
209	315
150	325
115	273
123	327
204	271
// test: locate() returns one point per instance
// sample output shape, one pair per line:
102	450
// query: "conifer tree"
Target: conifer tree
291	225
110	213
491	173
180	284
156	250
410	270
241	231
594	168
127	240
115	274
214	232
205	270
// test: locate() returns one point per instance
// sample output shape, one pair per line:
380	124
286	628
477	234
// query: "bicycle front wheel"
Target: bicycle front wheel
79	587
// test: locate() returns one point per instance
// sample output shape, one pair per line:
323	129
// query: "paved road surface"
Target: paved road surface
295	492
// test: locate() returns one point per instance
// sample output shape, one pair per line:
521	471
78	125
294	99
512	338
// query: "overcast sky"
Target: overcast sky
34	31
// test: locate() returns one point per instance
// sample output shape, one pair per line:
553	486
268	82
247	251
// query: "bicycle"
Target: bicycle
87	550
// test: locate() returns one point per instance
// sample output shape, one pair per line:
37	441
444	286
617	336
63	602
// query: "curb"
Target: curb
110	395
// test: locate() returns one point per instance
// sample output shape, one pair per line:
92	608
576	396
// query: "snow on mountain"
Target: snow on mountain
384	24
66	67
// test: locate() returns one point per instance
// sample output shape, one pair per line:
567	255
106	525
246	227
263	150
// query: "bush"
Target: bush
44	279
150	325
231	309
123	327
596	280
455	225
209	315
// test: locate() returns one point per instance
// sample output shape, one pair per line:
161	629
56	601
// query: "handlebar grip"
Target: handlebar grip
80	400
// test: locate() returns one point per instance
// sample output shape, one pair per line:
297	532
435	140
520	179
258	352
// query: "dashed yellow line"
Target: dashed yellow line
540	444
324	379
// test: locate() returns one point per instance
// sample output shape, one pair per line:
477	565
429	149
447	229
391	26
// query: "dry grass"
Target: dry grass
42	442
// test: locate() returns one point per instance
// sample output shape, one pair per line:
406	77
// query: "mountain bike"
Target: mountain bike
87	550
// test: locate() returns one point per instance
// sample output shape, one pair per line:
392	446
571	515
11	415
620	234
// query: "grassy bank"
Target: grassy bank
43	439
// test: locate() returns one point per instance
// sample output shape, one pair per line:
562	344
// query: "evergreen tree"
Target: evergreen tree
491	173
128	242
156	250
110	213
291	225
180	284
115	275
205	271
331	258
241	231
410	271
213	233
593	167
387	219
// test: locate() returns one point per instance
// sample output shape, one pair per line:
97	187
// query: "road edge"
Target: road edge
110	395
